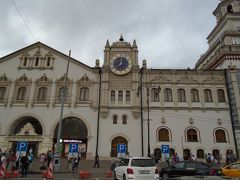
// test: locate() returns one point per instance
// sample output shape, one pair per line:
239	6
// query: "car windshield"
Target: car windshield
142	163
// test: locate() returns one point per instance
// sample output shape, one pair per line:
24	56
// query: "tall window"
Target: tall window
192	135
220	135
220	95
163	134
48	61
168	95
36	61
194	95
181	95
21	94
62	93
208	95
128	96
124	119
42	93
2	93
120	96
115	119
112	95
84	94
155	95
25	61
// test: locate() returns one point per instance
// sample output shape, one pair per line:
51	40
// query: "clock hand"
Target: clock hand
120	62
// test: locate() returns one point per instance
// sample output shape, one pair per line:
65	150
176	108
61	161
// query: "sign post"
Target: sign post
22	147
73	150
121	150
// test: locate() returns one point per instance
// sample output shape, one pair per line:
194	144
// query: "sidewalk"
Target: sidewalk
83	165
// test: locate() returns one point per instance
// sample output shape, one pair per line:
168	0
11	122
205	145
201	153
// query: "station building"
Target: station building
124	101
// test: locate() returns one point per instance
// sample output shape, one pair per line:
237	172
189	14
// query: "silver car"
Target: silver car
140	168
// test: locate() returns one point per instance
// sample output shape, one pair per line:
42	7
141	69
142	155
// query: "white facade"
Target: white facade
190	113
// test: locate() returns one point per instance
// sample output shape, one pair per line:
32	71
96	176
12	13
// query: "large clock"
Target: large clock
120	65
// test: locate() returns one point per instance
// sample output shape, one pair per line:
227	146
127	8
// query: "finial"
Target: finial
121	38
134	43
107	44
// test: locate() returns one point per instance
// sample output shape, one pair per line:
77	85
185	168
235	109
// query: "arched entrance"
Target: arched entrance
115	141
74	130
186	154
216	154
28	128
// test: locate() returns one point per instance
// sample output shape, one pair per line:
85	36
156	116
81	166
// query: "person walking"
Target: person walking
96	161
25	162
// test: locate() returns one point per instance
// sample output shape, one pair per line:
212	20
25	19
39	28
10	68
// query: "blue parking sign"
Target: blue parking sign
165	151
73	148
121	148
22	147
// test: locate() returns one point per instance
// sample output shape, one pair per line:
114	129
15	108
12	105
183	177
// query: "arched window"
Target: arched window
42	93
21	94
155	95
220	95
220	135
25	61
48	61
192	135
229	9
37	61
168	95
120	96
84	94
62	93
124	119
128	96
200	154
112	95
115	119
194	95
163	134
2	93
181	95
208	95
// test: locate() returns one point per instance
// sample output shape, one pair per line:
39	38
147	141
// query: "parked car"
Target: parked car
187	168
135	168
231	170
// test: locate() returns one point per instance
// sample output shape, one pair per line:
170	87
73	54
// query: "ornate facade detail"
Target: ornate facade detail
213	79
160	79
3	78
186	79
27	129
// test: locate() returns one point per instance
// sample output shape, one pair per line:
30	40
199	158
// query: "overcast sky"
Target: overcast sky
169	33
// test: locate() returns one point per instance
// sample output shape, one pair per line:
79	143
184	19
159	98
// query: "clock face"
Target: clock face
120	64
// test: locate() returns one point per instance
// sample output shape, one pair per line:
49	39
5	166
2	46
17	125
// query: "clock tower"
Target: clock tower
120	73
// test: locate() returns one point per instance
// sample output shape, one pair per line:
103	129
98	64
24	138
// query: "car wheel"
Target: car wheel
124	177
165	176
114	175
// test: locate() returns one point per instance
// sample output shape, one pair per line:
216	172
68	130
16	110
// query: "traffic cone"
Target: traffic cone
3	169
50	171
109	173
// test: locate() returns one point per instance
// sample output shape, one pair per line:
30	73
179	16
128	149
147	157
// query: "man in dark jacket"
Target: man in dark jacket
25	162
96	161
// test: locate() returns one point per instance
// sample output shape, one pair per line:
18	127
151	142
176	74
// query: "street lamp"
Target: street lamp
155	92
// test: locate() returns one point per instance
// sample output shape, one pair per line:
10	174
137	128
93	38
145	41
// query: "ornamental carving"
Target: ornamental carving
43	78
121	44
212	79
161	79
3	78
186	79
23	78
27	129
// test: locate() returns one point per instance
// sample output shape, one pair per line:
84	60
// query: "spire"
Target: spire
107	44
121	38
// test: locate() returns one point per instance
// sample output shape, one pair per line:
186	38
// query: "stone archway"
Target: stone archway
74	130
186	154
28	128
115	141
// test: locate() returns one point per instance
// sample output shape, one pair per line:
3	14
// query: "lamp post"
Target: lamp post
156	92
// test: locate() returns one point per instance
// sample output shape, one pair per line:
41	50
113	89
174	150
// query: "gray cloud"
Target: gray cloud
169	33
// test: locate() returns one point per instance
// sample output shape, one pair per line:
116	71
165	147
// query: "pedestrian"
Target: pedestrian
96	161
25	162
69	160
49	157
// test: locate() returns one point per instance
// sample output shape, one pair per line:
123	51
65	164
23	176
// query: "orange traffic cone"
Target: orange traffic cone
50	171
3	169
